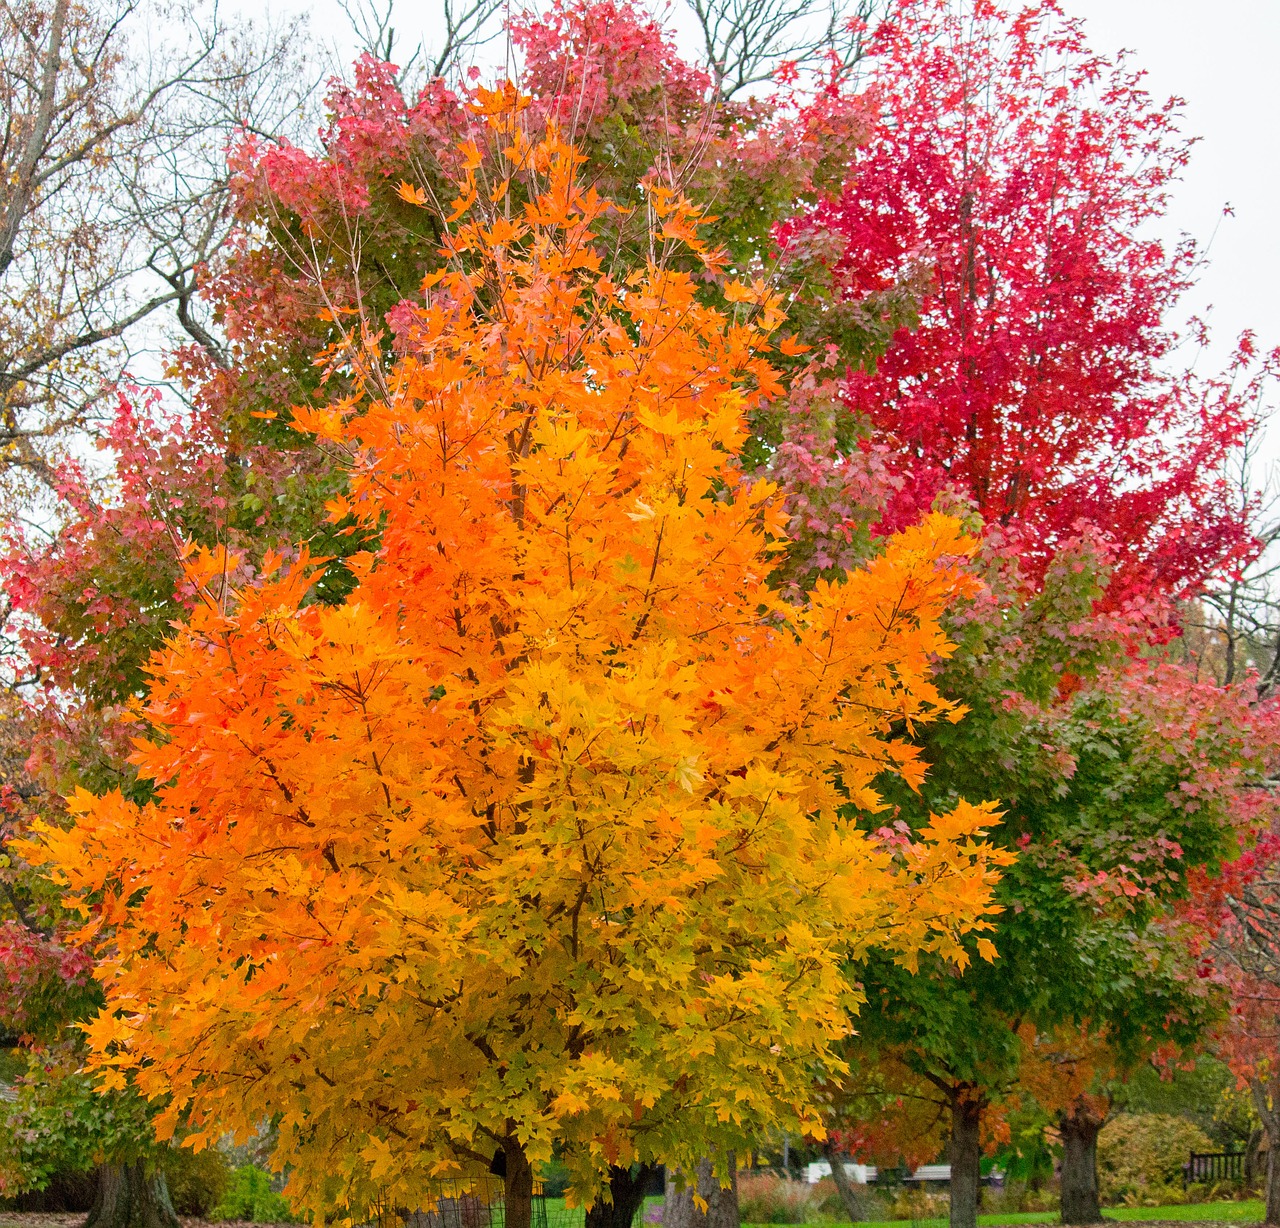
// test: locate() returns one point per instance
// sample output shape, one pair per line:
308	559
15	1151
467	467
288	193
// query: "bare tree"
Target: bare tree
746	41
1234	626
462	26
114	192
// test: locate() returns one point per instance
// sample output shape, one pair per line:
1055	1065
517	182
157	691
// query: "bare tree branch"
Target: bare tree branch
746	41
1234	626
114	191
464	24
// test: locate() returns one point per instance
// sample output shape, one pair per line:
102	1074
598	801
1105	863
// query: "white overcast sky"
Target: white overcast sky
1223	58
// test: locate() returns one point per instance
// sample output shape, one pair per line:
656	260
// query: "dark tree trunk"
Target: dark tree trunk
625	1196
1273	1184
517	1185
679	1211
854	1203
1079	1190
965	1155
130	1197
1266	1099
1254	1152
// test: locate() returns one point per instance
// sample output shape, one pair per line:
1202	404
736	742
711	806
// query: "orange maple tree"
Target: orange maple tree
547	834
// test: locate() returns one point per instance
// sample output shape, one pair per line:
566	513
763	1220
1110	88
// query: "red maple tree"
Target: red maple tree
1023	172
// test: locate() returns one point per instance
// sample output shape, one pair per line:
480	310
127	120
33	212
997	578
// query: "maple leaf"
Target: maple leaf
411	195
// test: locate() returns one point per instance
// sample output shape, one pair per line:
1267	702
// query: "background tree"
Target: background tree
1232	628
1240	912
115	193
1112	789
1041	383
1019	169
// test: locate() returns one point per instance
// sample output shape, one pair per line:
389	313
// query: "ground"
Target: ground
1203	1215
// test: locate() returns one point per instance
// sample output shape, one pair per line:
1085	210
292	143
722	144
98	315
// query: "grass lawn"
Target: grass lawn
560	1216
1249	1212
1220	1212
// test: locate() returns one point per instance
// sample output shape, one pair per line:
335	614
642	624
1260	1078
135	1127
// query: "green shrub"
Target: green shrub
1140	1158
59	1123
249	1196
197	1180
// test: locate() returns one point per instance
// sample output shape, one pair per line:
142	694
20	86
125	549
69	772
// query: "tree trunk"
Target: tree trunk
624	1195
130	1197
854	1203
517	1185
1252	1151
1273	1184
1079	1190
1266	1099
965	1155
679	1210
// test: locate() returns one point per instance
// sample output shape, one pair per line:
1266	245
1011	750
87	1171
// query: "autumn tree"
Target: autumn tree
571	865
323	240
1015	170
1117	779
1239	916
326	257
1022	170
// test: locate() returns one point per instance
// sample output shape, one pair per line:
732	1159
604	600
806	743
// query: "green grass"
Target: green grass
1249	1212
560	1216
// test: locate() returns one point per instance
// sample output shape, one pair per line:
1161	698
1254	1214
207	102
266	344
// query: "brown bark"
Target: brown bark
1273	1186
680	1211
616	1206
130	1197
965	1155
517	1183
1080	1125
1253	1153
1266	1099
854	1204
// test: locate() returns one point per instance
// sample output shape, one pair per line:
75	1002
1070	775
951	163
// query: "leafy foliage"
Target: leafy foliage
1117	780
475	549
197	1180
536	837
1140	1155
249	1197
58	1122
1022	170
